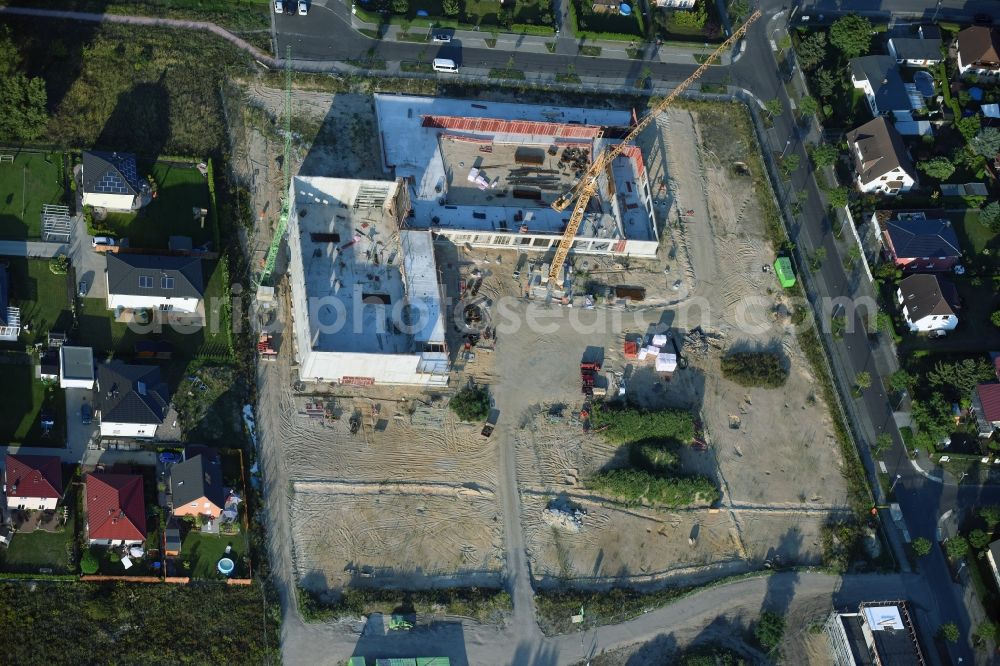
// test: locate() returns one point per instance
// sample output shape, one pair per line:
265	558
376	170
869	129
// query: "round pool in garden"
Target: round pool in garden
226	566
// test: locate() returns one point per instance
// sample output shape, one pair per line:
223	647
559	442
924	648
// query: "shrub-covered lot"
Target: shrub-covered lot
86	623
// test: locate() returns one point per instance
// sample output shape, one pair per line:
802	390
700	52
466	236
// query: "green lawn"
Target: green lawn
42	296
180	190
973	235
97	328
204	552
36	550
591	21
20	410
31	180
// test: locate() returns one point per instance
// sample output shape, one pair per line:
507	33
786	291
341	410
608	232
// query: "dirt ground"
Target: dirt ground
416	496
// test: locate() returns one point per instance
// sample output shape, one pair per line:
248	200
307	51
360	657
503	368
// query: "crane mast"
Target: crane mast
286	165
586	186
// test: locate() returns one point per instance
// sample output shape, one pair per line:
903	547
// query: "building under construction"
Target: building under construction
486	173
366	298
879	634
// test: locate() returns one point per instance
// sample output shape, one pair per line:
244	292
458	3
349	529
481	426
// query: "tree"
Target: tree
769	630
789	163
400	6
773	107
88	563
450	7
968	126
863	380
995	318
901	380
921	546
991	514
959	378
471	403
949	632
988	631
937	167
852	34
986	142
811	51
826	81
837	196
691	19
23	100
933	417
824	155
989	215
755	369
882	442
809	105
956	547
979	539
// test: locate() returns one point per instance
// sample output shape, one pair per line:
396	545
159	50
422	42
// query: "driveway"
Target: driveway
77	434
37	249
89	264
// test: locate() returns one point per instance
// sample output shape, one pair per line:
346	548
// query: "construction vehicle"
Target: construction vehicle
265	290
265	347
586	186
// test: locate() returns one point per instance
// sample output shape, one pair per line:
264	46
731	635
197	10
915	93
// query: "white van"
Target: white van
444	65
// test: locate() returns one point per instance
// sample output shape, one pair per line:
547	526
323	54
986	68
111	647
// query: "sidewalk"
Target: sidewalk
565	43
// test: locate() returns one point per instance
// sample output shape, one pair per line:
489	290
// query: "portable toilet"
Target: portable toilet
783	269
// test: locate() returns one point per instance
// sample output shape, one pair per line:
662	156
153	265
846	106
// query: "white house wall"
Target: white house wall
188	305
111	429
932	323
109	201
32	503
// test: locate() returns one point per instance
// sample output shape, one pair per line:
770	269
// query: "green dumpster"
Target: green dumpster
783	269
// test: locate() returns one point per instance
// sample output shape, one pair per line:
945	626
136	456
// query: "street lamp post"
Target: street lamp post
937	8
893	486
787	144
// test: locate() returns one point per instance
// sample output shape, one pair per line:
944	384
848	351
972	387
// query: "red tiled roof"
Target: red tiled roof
989	396
34	476
115	507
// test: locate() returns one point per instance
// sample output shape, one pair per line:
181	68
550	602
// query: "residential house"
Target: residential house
986	407
928	302
993	555
605	6
116	509
196	484
76	367
880	158
978	51
878	76
676	4
132	400
33	482
111	180
923	50
915	241
156	282
10	317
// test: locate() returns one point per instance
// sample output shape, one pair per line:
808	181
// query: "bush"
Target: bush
635	486
769	630
59	264
989	216
755	369
88	563
979	539
632	425
949	632
921	546
471	403
482	604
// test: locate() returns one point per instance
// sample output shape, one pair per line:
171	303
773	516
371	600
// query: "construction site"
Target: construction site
664	276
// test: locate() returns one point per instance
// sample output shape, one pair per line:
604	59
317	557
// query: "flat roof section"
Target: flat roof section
77	362
366	293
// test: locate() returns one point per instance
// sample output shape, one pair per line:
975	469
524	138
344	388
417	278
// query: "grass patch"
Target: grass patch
180	190
550	47
482	604
491	42
43	298
203	552
25	399
71	623
31	180
508	73
236	15
421	67
208	401
28	553
413	37
590	50
567	78
371	34
587	23
369	64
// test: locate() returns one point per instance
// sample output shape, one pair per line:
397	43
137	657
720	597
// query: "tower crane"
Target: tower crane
586	186
286	165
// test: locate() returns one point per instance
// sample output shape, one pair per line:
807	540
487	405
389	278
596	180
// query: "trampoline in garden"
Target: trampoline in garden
625	9
925	83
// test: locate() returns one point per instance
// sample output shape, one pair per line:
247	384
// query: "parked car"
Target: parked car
303	7
86	414
170	457
442	38
279	7
937	335
106	241
82	290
